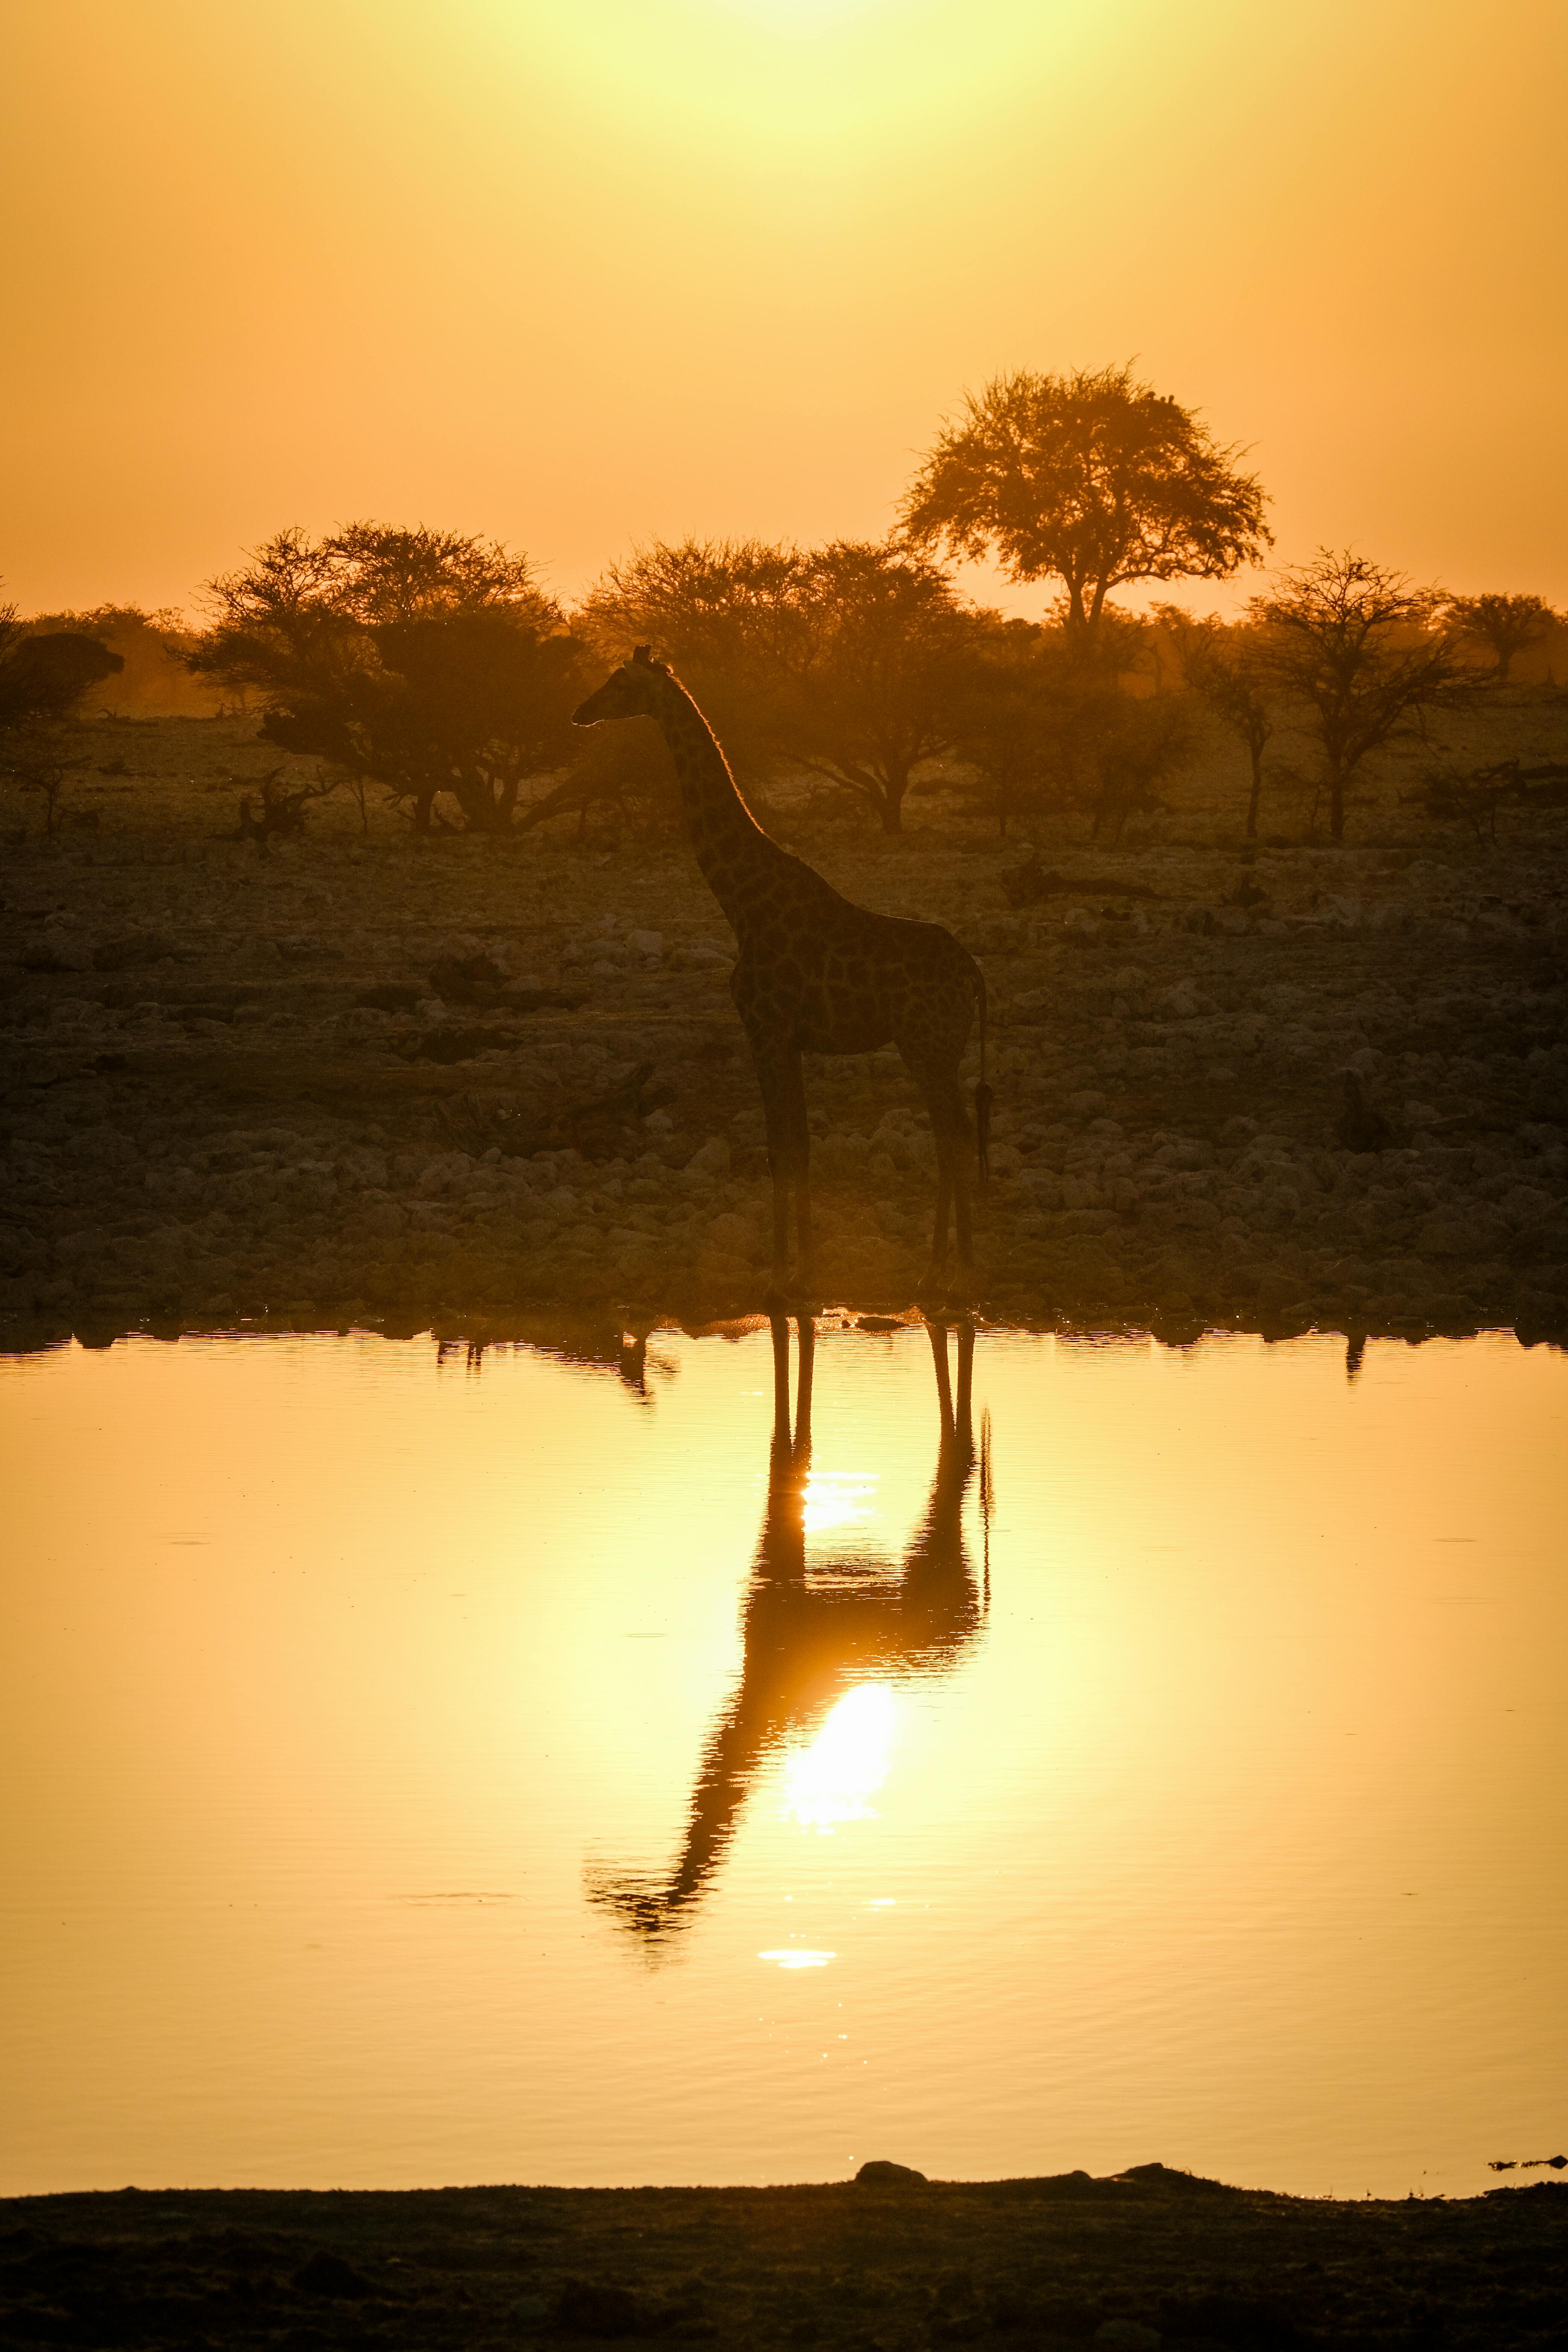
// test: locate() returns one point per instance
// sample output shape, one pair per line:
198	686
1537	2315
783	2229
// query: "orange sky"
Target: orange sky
577	275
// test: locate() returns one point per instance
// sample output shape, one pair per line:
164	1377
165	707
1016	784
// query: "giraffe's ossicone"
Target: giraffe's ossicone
816	974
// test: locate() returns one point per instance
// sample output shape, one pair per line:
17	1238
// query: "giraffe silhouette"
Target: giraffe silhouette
816	974
809	1634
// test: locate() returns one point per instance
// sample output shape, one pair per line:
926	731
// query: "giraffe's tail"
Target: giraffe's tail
983	1095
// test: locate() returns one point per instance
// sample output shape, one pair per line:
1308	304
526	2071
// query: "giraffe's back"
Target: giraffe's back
839	979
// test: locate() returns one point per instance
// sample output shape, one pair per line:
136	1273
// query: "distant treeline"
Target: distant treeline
156	681
434	666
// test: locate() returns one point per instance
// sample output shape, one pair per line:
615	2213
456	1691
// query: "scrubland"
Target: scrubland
373	1077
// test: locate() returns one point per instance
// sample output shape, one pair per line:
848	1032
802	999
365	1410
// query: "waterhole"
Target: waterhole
1010	1755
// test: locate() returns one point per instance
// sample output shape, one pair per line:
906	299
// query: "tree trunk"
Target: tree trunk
1257	793
1336	804
894	784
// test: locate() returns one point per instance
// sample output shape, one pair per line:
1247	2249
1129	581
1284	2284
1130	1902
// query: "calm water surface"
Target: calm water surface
421	1774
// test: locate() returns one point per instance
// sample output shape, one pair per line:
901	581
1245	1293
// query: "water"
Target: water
422	1774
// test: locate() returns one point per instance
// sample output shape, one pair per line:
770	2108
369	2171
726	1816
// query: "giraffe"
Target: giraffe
808	1636
816	974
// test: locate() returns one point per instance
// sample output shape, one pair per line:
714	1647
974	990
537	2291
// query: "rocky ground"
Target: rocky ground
1128	2265
369	1078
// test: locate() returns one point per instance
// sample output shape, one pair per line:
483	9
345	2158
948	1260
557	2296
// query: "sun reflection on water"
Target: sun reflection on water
835	1498
831	1781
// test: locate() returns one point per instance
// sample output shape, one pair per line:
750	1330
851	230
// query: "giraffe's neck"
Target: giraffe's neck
737	858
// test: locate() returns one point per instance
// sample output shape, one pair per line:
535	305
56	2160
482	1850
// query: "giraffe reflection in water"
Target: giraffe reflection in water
811	1635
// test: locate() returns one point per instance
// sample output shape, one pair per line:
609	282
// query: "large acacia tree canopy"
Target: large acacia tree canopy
1088	478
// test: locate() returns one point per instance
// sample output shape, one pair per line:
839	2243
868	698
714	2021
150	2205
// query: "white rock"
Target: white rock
448	1172
459	947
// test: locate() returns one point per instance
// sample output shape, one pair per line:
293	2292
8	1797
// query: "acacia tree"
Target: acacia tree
426	660
876	671
1359	655
1506	626
1224	667
1088	478
1046	730
849	661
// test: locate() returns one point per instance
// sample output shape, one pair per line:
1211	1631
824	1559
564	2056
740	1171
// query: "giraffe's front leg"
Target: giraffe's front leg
800	1172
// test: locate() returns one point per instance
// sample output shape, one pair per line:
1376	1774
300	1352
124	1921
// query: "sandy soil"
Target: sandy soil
238	1088
1152	2257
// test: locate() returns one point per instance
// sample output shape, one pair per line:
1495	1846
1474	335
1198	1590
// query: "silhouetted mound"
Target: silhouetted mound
881	2174
1177	2184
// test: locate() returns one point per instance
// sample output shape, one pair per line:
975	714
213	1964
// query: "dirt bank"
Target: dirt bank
1126	2265
368	1077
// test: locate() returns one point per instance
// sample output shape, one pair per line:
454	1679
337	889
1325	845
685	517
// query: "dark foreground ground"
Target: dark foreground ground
483	1085
1150	2257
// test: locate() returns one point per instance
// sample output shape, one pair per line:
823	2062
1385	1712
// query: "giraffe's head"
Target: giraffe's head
629	692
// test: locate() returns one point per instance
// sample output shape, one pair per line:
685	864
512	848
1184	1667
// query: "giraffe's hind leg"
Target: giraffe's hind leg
936	1075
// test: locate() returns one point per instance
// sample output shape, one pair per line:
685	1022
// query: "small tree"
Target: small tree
43	678
1088	478
1357	655
1009	731
1224	667
1506	626
1130	743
